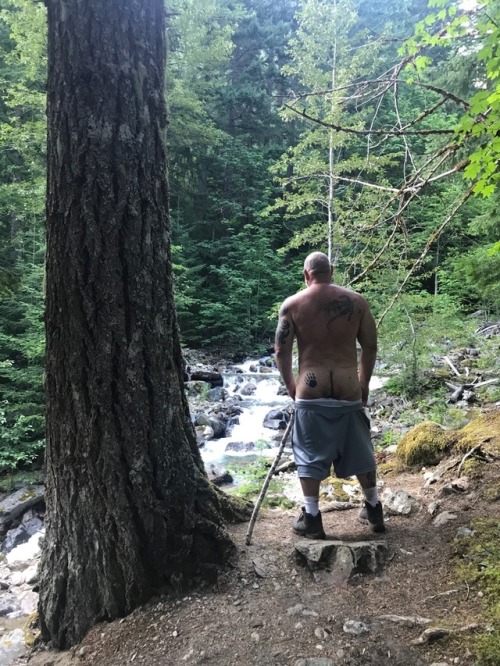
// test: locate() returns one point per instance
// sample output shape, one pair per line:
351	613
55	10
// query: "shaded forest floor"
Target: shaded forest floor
270	608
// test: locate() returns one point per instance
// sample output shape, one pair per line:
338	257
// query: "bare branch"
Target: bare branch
352	130
426	249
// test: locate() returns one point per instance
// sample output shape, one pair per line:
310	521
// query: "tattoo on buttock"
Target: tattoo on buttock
340	307
310	379
283	331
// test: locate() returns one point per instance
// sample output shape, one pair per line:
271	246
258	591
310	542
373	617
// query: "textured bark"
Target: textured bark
129	508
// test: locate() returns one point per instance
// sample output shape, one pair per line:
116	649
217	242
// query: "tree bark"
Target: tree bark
130	510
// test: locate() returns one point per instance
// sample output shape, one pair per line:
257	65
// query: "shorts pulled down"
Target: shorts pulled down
330	432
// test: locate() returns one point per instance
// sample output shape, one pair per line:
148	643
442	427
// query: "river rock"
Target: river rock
17	503
12	646
248	389
8	604
276	419
218	475
217	394
212	377
21	533
240	446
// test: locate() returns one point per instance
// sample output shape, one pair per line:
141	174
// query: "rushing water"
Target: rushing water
255	408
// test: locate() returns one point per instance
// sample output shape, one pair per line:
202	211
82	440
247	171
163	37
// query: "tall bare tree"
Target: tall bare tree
129	508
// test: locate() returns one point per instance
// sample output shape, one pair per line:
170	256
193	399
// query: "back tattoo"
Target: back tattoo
344	305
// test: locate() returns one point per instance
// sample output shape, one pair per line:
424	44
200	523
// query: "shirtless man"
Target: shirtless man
330	424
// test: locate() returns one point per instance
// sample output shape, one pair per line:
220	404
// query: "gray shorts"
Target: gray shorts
330	432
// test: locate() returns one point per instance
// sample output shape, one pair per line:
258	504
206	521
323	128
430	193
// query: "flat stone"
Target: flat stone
315	661
343	558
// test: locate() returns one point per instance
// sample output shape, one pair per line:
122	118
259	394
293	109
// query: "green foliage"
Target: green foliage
412	332
465	31
22	191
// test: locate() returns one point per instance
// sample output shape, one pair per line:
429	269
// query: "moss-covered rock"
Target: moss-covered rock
426	444
484	430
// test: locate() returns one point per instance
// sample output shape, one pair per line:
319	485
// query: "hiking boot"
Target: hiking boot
309	526
373	516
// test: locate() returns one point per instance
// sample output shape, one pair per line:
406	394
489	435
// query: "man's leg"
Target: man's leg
310	490
310	523
368	483
372	513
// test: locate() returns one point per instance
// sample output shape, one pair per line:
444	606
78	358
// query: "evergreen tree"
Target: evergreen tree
129	507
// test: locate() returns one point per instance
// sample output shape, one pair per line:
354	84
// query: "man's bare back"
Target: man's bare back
326	320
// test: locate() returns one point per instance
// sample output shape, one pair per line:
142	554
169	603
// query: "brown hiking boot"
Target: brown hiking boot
373	516
309	526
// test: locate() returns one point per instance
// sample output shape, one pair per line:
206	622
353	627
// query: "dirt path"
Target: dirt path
270	609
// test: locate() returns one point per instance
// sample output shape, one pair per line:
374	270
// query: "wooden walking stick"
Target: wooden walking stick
268	479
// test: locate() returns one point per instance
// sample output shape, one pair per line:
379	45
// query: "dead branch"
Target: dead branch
431	635
447	359
381	132
467	455
426	249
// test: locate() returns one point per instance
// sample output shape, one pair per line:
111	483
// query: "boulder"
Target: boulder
426	444
276	419
218	394
21	534
17	503
212	377
218	475
248	389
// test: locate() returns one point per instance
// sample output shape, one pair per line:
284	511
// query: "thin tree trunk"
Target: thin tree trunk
129	508
331	165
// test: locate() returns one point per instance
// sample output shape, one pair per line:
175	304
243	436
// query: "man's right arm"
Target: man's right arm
283	346
367	338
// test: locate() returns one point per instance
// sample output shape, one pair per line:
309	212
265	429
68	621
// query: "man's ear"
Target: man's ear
306	276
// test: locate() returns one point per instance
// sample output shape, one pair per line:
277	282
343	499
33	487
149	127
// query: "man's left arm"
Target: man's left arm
367	338
283	346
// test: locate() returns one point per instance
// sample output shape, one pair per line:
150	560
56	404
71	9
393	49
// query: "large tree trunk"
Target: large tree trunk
129	508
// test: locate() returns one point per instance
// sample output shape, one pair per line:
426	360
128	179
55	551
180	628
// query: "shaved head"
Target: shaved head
316	263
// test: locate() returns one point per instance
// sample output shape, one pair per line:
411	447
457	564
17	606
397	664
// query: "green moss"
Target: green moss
483	430
332	487
389	468
480	566
426	444
492	492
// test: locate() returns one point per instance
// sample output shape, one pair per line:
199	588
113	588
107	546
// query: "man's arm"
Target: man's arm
367	338
283	346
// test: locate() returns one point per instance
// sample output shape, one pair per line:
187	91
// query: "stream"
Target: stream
250	429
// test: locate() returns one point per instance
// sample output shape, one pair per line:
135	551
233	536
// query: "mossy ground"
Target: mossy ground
478	564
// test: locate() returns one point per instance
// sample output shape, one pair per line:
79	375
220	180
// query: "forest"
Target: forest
165	168
369	131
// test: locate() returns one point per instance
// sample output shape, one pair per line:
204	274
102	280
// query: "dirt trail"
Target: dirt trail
270	610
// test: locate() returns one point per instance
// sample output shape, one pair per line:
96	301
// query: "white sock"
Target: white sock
311	505
371	495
